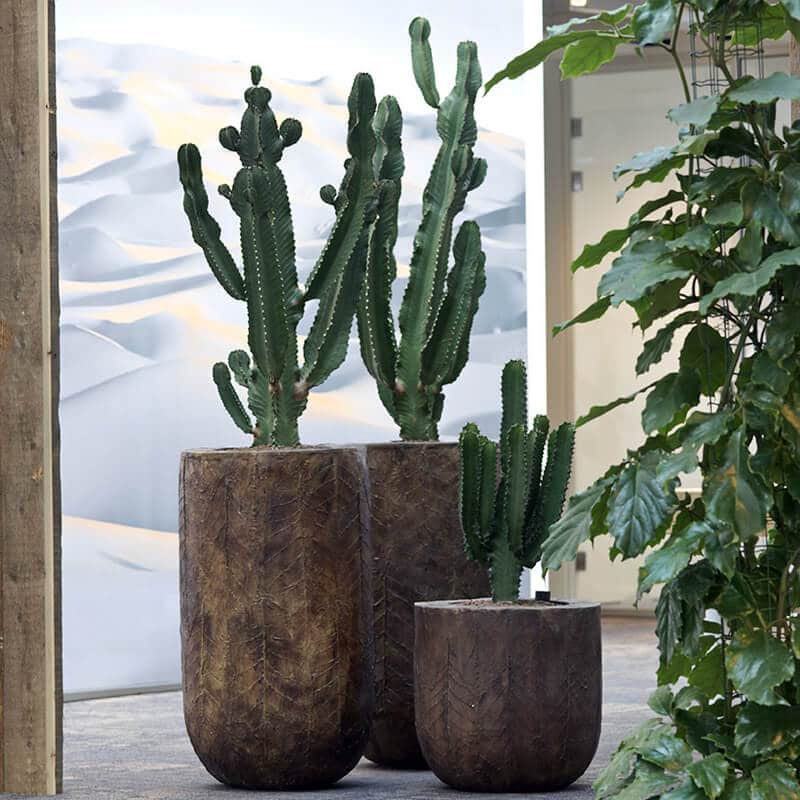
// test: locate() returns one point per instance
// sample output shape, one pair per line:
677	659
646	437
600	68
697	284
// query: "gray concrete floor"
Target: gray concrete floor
135	748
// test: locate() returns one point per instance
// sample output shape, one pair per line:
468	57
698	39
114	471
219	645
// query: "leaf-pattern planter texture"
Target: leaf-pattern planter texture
508	695
276	613
418	554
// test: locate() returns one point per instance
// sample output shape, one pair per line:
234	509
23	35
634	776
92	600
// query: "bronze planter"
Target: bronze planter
418	554
508	696
276	615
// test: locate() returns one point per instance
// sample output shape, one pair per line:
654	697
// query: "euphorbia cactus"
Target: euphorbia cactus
505	522
438	308
277	386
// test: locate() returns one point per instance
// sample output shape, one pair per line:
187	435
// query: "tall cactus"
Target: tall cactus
505	521
438	308
277	385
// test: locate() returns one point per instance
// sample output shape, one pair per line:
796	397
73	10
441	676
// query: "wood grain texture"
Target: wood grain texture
508	696
30	684
418	554
275	613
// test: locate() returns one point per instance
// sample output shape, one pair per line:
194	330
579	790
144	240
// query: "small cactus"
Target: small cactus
505	521
277	385
438	307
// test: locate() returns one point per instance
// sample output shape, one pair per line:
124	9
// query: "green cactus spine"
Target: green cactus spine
505	521
277	385
438	307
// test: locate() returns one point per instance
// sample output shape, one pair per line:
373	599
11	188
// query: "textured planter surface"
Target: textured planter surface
508	697
418	554
276	614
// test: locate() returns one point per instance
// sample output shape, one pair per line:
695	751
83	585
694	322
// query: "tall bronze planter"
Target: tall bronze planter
276	616
418	554
508	696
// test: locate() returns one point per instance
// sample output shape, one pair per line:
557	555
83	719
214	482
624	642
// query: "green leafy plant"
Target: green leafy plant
717	258
505	521
277	385
438	306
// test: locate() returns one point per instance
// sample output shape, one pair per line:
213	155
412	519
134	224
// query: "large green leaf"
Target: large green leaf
588	55
670	400
536	55
655	348
775	780
778	86
761	204
613	17
734	494
641	267
710	774
640	505
748	284
593	254
653	21
698	238
698	112
590	314
688	791
598	411
650	781
669	560
709	355
705	427
641	162
617	773
757	662
669	620
574	527
661	747
765	729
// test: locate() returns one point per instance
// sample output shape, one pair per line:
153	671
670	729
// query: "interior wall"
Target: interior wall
621	113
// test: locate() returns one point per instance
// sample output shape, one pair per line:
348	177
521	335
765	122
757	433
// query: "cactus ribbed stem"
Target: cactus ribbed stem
438	306
505	522
277	385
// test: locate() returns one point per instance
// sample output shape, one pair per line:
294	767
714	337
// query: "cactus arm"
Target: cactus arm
375	323
259	397
205	229
537	440
515	402
488	489
233	405
337	277
252	199
325	346
449	340
555	480
470	494
443	197
516	483
553	490
388	162
356	193
422	60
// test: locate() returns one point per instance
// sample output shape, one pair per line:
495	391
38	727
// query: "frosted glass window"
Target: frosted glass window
143	319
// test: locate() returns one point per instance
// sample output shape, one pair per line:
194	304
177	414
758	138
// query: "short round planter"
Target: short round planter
508	695
418	554
276	616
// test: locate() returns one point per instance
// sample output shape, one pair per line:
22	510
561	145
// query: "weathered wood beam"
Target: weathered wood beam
30	614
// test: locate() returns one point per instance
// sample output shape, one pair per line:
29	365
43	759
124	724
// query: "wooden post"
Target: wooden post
30	614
